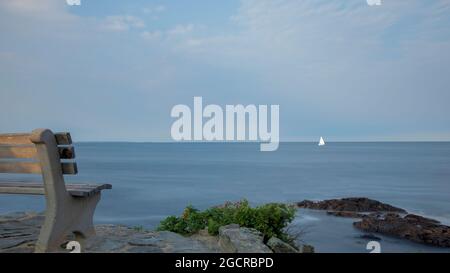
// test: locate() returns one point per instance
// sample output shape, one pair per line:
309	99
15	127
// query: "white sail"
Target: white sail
321	141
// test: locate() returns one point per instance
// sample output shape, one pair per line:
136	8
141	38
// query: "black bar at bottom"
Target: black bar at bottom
159	262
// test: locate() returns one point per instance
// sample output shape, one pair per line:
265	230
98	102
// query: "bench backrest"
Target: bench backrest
40	152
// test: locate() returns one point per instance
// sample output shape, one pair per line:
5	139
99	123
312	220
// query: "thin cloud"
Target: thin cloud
154	10
122	23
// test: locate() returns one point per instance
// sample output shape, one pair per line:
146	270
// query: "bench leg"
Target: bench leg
73	217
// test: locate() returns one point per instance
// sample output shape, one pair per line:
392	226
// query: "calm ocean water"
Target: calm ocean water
153	180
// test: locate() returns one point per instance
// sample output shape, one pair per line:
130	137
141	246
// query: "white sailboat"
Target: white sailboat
321	142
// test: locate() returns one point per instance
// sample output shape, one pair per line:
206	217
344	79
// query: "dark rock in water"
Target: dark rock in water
352	204
370	237
418	219
347	214
385	219
412	227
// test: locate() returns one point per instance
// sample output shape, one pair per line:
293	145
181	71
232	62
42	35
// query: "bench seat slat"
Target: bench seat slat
76	190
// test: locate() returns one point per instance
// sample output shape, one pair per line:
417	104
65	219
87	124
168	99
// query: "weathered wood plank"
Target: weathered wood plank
15	139
20	167
69	168
17	151
76	190
84	190
66	152
21	188
63	138
34	168
22	151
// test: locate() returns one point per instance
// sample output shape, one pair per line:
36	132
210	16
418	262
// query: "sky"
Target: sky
112	70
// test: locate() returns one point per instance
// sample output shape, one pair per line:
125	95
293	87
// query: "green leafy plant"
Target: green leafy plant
270	219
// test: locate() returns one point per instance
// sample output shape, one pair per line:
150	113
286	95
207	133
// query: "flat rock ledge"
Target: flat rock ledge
19	233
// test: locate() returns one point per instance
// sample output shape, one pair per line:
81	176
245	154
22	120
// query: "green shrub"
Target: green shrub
190	222
270	219
213	226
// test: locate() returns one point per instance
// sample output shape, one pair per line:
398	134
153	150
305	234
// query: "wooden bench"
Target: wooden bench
69	207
